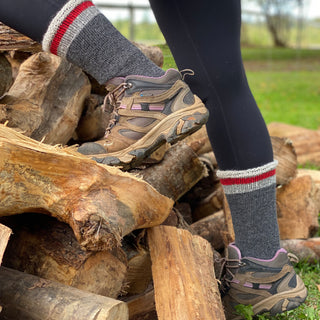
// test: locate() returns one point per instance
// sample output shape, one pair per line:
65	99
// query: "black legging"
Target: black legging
203	36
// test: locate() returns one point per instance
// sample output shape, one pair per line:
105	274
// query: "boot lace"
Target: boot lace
113	99
227	272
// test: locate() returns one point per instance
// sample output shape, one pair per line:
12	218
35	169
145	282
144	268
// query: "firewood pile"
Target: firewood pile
81	240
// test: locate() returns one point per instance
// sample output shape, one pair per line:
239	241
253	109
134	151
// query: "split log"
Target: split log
100	203
5	233
177	173
315	176
297	209
13	40
305	250
47	248
46	100
142	307
305	141
213	229
183	275
28	297
5	75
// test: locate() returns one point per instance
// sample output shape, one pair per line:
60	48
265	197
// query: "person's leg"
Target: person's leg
78	31
150	106
205	37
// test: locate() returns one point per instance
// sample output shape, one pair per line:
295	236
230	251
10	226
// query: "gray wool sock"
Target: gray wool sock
80	33
251	195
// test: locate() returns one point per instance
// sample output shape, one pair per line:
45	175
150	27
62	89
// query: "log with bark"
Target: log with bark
46	100
305	249
47	248
13	40
28	297
100	203
305	141
183	275
283	151
297	209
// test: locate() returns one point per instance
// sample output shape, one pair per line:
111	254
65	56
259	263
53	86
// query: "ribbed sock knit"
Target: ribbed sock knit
80	33
251	197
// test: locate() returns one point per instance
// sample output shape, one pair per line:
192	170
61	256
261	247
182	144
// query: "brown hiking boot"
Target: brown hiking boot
267	285
147	113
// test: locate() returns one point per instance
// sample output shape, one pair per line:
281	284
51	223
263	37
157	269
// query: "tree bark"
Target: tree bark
46	100
27	297
183	275
76	190
13	40
5	75
47	248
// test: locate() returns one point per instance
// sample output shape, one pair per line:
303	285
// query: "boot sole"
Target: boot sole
171	129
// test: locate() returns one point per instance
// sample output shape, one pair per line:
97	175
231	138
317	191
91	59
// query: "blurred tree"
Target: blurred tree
280	18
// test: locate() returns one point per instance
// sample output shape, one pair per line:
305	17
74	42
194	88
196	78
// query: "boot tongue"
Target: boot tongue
233	252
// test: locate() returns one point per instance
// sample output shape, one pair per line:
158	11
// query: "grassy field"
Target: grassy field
286	86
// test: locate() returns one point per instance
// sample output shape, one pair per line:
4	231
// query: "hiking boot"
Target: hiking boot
268	285
147	113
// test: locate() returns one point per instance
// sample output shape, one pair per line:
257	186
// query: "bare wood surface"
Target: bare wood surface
305	141
46	100
297	209
142	306
28	297
183	275
5	75
177	173
152	52
76	190
13	40
47	248
5	233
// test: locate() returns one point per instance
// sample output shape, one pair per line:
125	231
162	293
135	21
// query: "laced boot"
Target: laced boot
147	112
268	285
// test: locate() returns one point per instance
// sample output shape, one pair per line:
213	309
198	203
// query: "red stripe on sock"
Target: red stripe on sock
233	181
66	23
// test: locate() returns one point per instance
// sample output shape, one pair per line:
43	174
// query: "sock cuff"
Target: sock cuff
241	181
67	24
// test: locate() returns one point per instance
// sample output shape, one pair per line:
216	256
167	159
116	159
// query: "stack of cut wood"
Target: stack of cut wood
91	241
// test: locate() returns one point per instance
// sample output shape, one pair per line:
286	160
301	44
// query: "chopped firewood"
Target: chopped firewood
25	296
305	141
212	228
5	75
297	209
5	233
47	248
177	173
183	274
304	249
100	203
142	306
46	100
